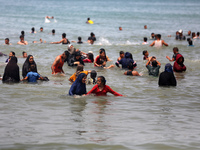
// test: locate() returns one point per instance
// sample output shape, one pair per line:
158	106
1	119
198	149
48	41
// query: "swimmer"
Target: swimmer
101	89
154	68
153	36
121	55
32	76
53	32
92	79
58	63
145	26
11	54
146	55
79	41
76	60
120	28
90	58
63	41
22	42
100	58
130	71
41	29
125	61
41	41
178	64
89	21
33	30
197	36
145	41
92	38
24	54
193	35
175	51
23	33
7	41
48	17
190	43
158	42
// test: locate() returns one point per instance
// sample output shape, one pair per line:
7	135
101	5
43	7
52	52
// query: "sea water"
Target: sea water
42	116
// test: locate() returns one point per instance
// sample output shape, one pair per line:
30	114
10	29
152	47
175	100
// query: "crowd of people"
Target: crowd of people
76	58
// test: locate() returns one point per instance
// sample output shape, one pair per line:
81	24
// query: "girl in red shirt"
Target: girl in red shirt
101	89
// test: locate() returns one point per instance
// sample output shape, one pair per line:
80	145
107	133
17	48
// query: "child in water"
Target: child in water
146	55
32	76
130	71
92	79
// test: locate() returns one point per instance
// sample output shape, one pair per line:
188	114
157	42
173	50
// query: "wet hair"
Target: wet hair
121	52
145	39
152	33
21	36
101	51
88	18
7	39
64	35
67	54
77	53
90	56
154	63
175	49
103	80
197	33
13	53
33	29
41	27
32	67
53	31
79	38
22	33
144	52
158	36
91	34
130	66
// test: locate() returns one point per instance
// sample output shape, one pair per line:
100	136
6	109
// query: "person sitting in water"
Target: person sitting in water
158	42
101	89
121	55
175	50
32	76
89	21
63	41
152	36
22	42
126	60
79	86
178	64
146	55
145	41
190	43
33	30
41	29
92	38
7	41
100	58
11	54
79	70
24	54
76	60
92	79
11	72
79	41
58	63
89	59
130	71
167	78
154	67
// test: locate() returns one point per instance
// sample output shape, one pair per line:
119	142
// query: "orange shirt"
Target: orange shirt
73	77
58	66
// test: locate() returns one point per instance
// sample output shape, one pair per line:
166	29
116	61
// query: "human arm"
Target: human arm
108	89
24	78
72	78
159	64
57	42
108	59
152	44
148	62
169	58
163	42
93	90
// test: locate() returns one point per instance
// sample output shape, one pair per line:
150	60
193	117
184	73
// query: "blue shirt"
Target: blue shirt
32	76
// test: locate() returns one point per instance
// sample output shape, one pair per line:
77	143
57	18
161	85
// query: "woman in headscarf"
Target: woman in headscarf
29	61
79	86
11	72
167	78
178	64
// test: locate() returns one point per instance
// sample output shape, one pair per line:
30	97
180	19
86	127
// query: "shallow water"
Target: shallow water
41	116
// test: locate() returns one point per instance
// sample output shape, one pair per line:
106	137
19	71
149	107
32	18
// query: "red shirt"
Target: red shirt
87	61
58	66
106	89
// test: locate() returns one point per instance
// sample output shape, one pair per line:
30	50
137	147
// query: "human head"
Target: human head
6	40
79	38
88	19
145	26
90	56
41	29
101	80
22	33
197	33
168	68
32	67
152	35
24	54
13	59
121	54
30	59
21	37
102	52
79	68
12	54
145	53
189	32
154	63
70	46
64	55
175	50
91	34
81	78
193	34
145	39
53	31
158	36
77	55
33	29
120	28
64	35
93	74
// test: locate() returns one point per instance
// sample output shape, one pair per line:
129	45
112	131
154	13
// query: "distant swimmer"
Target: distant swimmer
158	42
63	41
33	30
41	41
145	41
190	43
146	55
53	32
92	38
47	19
89	21
145	26
41	29
24	54
7	41
79	41
120	28
22	42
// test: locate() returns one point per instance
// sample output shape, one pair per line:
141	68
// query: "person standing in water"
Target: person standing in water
59	62
175	50
101	89
158	42
63	41
22	42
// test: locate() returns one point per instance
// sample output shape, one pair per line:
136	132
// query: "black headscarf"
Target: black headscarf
26	66
11	72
